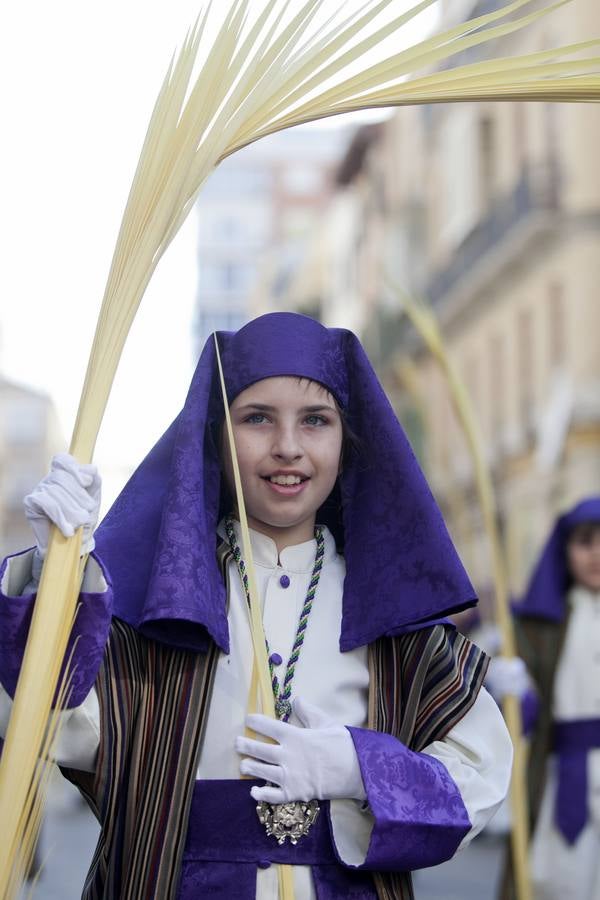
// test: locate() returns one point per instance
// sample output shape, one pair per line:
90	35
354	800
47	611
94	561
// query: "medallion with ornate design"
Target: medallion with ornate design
288	820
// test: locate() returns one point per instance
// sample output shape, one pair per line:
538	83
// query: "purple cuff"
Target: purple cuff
90	630
420	817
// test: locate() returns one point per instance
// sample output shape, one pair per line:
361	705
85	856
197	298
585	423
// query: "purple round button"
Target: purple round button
276	659
284	581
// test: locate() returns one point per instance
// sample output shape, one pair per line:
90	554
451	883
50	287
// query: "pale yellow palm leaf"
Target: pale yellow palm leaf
265	70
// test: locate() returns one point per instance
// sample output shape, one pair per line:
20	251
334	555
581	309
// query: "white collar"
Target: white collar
299	558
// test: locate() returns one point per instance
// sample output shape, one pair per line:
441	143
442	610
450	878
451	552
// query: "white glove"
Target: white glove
317	762
507	675
69	497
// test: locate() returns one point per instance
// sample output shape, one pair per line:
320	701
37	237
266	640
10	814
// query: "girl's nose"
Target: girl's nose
287	445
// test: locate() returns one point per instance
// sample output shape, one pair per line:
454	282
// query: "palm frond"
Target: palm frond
263	72
425	323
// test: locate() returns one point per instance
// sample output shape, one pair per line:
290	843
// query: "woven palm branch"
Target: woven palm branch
425	323
264	71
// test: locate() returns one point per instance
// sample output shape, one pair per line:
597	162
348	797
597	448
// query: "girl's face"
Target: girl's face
288	436
583	556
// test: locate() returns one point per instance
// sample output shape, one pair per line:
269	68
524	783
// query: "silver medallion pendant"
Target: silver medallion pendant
288	820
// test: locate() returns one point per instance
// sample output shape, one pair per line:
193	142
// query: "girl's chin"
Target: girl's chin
279	520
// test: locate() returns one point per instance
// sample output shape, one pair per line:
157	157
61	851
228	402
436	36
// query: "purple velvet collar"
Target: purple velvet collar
546	593
159	539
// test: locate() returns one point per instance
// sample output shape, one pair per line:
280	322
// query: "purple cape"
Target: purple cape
158	540
545	597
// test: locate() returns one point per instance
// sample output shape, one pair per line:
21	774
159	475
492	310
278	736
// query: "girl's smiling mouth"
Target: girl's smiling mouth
286	483
287	478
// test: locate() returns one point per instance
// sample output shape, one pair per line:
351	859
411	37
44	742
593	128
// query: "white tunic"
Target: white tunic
561	871
477	752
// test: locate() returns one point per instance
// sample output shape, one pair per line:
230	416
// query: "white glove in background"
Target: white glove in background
507	675
69	497
317	762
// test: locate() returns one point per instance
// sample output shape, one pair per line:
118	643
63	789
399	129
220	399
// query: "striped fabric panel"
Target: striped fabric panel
423	683
453	682
420	685
153	703
162	792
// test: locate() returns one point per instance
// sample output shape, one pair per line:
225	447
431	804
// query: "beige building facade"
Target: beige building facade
29	436
491	212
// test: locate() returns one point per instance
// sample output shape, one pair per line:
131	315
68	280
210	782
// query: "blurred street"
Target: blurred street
70	834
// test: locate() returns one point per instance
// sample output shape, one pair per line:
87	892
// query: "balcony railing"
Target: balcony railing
537	191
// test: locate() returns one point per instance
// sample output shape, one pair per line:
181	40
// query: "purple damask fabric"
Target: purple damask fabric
545	597
420	817
226	844
158	540
88	638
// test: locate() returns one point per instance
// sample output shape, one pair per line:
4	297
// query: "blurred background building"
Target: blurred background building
29	435
489	211
492	213
256	212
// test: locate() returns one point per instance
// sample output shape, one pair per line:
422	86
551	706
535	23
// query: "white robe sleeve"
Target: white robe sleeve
78	735
477	756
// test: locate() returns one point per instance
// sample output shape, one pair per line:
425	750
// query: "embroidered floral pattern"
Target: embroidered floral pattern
420	818
90	631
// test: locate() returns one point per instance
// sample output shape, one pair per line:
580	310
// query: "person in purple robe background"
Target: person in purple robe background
387	753
558	630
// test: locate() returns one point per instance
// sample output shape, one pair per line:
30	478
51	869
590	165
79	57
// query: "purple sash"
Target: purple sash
226	844
572	740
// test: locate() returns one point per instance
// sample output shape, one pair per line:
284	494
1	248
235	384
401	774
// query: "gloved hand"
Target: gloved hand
69	497
507	675
317	762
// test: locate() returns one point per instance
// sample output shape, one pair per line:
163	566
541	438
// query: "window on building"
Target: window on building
460	202
302	180
557	331
519	111
487	161
226	276
497	376
525	367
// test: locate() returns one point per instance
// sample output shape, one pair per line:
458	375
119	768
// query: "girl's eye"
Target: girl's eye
316	420
256	419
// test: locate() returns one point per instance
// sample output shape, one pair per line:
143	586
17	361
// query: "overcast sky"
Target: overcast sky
78	84
78	81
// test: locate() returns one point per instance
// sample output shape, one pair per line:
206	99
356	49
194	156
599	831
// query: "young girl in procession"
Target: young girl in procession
559	640
387	754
